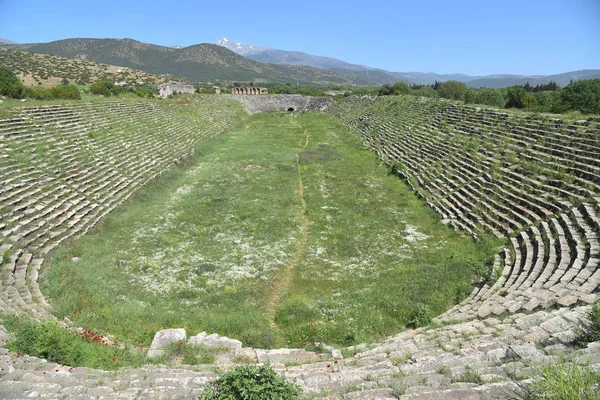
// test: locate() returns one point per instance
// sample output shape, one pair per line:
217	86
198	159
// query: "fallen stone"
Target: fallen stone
299	356
523	352
164	338
245	355
214	340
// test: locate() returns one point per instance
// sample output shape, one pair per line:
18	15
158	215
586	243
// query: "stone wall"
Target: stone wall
175	87
282	102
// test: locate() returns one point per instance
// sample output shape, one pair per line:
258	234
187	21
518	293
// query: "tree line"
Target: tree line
582	96
11	86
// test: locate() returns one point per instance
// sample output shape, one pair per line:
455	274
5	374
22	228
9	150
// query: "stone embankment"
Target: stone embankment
532	181
282	102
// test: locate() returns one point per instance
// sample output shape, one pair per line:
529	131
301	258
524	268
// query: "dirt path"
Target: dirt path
285	275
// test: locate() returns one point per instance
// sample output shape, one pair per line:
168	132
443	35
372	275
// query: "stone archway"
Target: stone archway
291	109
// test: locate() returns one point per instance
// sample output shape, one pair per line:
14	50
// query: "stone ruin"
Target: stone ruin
548	275
282	102
170	88
249	90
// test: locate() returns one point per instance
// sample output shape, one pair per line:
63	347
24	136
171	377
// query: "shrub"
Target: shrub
105	88
65	92
583	96
490	97
453	90
398	88
421	316
590	331
470	376
10	85
513	96
251	382
427	91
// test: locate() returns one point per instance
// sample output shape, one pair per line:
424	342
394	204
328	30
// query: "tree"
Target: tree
528	100
386	90
64	81
491	97
513	96
401	88
105	88
583	96
452	90
10	85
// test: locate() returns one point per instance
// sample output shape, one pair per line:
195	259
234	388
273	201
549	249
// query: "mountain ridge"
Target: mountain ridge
200	62
381	76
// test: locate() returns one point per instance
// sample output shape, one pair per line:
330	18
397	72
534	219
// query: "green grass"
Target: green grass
563	381
48	340
205	246
470	376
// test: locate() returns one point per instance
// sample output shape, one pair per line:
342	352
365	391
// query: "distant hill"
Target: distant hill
201	62
380	76
224	62
47	69
5	41
500	81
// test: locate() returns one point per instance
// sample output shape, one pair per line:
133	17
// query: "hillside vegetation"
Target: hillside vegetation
47	69
200	63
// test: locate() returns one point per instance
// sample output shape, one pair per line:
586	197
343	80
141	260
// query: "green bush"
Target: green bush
105	88
10	85
398	88
65	92
513	96
427	91
58	92
421	316
590	331
452	90
583	96
490	97
251	382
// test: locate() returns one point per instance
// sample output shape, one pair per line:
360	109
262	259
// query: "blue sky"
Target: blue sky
472	37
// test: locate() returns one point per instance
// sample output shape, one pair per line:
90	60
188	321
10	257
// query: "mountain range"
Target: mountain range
232	60
380	76
199	63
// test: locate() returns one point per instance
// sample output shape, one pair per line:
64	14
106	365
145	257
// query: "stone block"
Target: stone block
214	341
164	338
299	356
523	352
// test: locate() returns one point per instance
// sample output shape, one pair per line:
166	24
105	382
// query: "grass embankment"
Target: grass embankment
284	232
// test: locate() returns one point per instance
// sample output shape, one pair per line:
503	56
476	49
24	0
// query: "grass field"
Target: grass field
283	232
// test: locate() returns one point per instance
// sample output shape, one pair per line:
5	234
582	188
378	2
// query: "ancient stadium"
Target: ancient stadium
521	192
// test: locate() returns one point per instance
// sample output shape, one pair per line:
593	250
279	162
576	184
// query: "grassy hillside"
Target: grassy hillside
47	69
202	62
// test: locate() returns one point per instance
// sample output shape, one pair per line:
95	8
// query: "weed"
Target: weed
183	353
470	376
251	383
6	256
562	381
443	370
46	339
398	388
590	330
